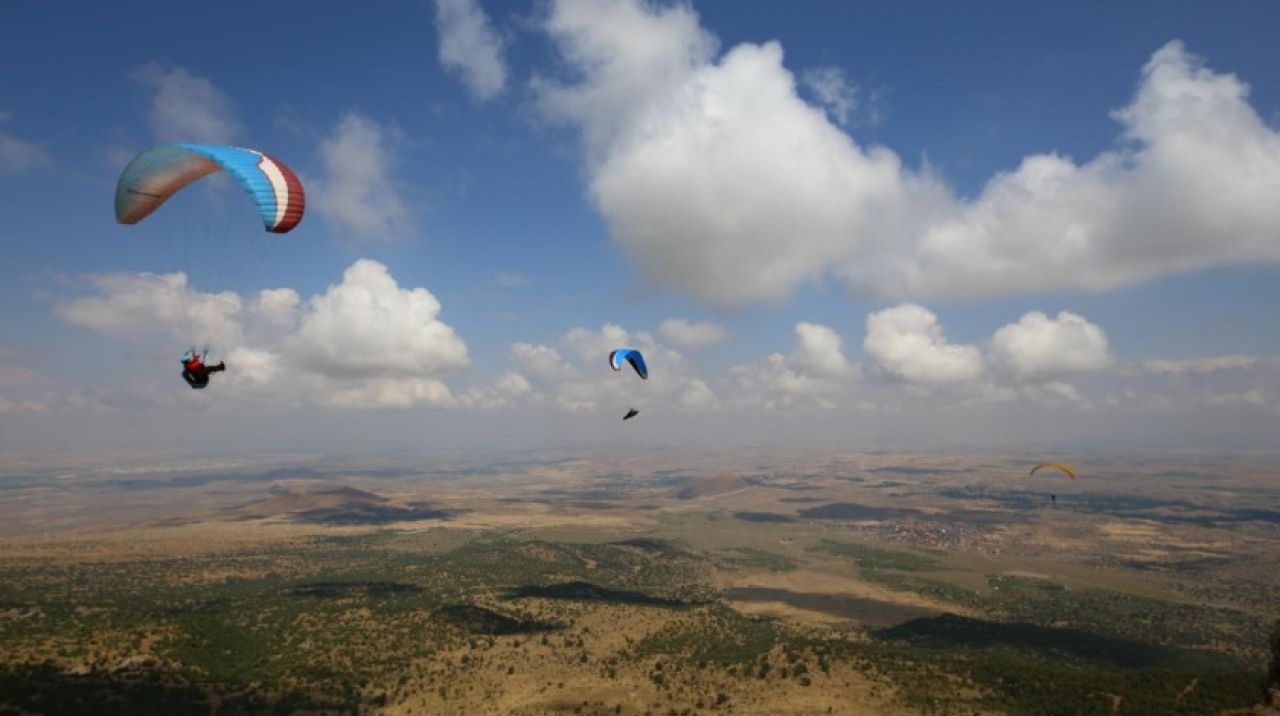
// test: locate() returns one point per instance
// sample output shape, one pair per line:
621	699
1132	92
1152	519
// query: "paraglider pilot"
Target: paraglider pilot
195	372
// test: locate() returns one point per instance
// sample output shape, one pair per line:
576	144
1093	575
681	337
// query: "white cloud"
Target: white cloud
186	107
278	306
470	48
135	306
1054	392
833	91
400	393
684	158
697	395
507	390
907	343
1197	366
255	366
513	384
539	360
365	342
772	383
816	372
820	352
629	55
1189	191
18	155
691	336
685	163
358	194
1039	349
23	390
369	326
597	345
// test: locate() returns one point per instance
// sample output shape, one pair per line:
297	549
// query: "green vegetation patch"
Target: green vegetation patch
715	634
753	558
49	689
875	558
480	620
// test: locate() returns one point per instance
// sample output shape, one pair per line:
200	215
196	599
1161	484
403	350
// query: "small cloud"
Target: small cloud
26	391
118	157
137	306
357	193
816	372
820	352
1198	366
697	395
470	48
833	91
186	107
1054	392
504	392
691	336
393	393
18	155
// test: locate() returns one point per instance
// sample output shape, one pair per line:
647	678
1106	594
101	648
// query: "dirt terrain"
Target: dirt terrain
747	583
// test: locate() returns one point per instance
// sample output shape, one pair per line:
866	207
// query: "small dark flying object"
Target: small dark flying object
631	414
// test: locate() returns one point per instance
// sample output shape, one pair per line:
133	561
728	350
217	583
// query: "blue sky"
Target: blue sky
575	164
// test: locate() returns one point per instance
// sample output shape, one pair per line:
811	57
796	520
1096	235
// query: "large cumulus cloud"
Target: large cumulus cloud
720	181
908	344
367	325
1038	348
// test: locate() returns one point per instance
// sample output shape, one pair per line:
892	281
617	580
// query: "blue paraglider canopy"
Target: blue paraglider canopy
632	356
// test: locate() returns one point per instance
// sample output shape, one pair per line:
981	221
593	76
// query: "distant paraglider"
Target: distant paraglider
632	356
1060	467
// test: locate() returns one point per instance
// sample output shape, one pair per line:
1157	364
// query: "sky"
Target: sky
1042	225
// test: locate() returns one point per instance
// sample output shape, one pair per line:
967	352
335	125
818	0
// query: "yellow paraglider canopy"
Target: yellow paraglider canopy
1062	467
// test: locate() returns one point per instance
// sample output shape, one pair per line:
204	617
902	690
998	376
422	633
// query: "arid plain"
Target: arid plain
749	581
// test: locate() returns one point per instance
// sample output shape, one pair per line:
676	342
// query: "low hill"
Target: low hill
334	505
